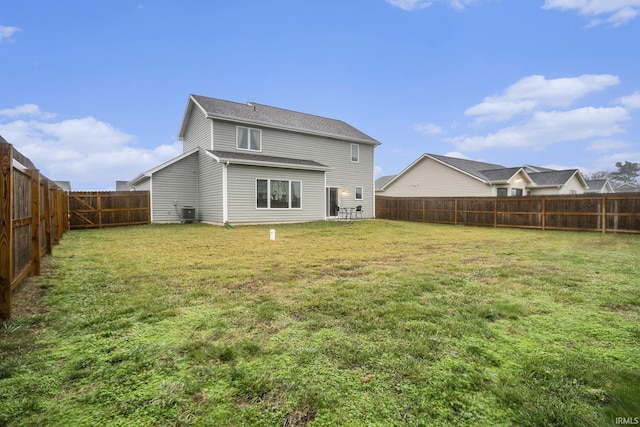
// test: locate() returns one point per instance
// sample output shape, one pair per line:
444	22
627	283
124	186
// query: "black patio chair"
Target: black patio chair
358	211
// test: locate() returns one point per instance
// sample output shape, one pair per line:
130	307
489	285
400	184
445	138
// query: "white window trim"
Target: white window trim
361	192
357	153
249	142
269	194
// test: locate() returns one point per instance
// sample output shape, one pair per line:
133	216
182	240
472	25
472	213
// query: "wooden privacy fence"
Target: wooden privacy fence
605	213
98	209
33	217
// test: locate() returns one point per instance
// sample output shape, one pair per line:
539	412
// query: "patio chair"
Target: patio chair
358	211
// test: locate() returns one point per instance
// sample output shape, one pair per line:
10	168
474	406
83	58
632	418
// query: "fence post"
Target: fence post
34	174
47	216
6	228
604	214
455	211
495	212
99	202
544	213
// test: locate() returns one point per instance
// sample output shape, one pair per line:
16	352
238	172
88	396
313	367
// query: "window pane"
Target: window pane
358	193
355	148
279	194
295	194
262	194
502	192
243	138
255	139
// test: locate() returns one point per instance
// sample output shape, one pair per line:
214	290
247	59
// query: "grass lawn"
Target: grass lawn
373	323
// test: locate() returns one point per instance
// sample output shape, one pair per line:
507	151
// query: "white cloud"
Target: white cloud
26	110
534	92
7	32
423	4
631	102
615	12
88	152
428	129
605	145
608	162
410	4
551	127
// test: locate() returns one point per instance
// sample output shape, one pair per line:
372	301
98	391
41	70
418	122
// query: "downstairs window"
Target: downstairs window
278	194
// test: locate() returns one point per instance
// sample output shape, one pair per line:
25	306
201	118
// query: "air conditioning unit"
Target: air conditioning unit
188	214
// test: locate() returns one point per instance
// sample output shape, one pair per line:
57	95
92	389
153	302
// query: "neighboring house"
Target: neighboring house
628	187
599	186
433	175
252	163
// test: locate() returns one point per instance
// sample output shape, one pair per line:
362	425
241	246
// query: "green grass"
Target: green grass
373	323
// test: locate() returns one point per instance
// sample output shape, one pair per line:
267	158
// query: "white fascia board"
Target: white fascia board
150	172
248	162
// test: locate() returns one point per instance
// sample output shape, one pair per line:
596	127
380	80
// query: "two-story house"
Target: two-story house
252	163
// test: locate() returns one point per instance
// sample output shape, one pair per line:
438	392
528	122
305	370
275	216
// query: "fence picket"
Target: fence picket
610	213
23	210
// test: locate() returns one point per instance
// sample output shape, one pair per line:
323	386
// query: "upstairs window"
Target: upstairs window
249	139
355	153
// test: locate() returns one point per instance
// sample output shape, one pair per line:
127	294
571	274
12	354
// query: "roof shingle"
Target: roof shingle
265	115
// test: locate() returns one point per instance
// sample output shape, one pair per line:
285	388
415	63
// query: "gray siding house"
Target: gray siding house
252	163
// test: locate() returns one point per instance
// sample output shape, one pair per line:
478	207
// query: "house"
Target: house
253	163
432	175
599	186
628	187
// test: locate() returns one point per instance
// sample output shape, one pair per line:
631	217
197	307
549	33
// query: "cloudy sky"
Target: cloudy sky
94	92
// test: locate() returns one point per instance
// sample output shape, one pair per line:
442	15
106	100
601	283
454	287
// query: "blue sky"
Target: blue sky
94	92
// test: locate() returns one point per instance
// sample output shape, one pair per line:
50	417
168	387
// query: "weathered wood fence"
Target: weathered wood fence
99	209
605	213
33	217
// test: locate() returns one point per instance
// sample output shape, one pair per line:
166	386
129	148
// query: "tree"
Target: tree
627	172
599	175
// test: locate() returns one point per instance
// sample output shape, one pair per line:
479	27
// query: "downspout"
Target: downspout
151	197
225	206
373	174
326	200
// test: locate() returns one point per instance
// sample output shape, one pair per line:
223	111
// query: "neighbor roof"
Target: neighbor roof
383	180
265	115
554	178
491	173
470	167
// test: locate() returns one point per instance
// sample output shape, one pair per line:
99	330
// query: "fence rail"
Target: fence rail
33	217
610	213
99	209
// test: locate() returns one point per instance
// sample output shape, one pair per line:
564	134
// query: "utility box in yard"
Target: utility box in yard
188	214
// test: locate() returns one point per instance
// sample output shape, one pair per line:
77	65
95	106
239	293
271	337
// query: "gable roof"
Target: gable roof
273	117
554	178
383	180
150	172
491	173
470	167
599	185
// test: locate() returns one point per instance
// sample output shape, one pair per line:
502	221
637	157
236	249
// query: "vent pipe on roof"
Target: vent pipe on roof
251	105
